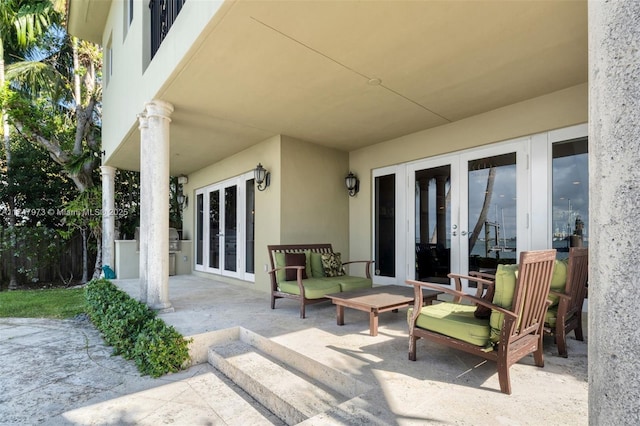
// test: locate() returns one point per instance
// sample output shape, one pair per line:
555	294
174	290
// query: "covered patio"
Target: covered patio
442	386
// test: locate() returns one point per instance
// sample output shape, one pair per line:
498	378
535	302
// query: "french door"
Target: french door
453	213
225	228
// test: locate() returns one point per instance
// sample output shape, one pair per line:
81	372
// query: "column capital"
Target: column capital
143	121
158	108
107	171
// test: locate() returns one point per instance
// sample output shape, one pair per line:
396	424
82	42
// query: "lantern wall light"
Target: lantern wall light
262	177
352	183
182	199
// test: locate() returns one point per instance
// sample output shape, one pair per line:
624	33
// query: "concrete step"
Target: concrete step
288	393
285	382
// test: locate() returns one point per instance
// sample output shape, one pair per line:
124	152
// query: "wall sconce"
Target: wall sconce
352	183
262	177
182	199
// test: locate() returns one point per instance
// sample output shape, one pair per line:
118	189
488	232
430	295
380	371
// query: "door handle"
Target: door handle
463	233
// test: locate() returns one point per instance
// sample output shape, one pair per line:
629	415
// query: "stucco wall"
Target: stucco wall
556	110
134	77
315	205
267	209
305	203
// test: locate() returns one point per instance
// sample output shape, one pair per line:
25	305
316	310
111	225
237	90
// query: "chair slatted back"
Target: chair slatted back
531	292
577	276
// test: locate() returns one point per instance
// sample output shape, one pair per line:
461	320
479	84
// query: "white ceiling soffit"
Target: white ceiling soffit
351	74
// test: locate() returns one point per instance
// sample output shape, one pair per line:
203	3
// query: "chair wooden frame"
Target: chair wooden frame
569	317
522	327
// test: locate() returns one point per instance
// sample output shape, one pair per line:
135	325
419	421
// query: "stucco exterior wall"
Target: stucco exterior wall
314	204
556	110
268	215
131	66
305	203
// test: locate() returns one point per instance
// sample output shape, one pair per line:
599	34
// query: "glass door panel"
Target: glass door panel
199	229
214	229
433	224
570	195
385	225
492	211
250	226
230	228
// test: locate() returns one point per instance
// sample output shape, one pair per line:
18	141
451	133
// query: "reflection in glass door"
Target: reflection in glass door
214	229
464	212
385	225
492	211
230	228
570	195
432	224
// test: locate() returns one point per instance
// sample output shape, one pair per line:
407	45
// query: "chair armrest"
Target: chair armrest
460	295
471	277
367	267
484	275
559	294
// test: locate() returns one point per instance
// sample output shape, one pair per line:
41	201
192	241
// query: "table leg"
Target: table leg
373	322
340	314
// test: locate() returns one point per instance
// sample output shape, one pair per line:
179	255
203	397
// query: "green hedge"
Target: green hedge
134	331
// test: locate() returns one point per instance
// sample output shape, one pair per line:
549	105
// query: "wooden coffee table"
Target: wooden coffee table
378	299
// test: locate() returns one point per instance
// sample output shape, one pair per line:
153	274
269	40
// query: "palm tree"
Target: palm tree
62	80
21	21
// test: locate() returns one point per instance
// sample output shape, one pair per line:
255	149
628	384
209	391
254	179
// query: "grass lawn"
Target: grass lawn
55	303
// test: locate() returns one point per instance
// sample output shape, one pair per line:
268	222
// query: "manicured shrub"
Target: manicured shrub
159	349
134	331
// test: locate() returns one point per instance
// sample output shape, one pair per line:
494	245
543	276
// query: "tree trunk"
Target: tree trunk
97	269
85	255
13	280
485	209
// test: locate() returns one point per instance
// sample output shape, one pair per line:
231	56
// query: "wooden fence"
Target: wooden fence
66	265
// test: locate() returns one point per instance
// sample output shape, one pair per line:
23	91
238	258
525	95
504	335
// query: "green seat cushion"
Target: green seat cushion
348	282
505	286
551	316
317	270
558	280
456	321
314	288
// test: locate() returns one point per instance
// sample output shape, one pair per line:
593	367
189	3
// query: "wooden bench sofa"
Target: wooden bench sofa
298	272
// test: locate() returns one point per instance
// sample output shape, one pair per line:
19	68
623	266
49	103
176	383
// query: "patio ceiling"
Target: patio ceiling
347	74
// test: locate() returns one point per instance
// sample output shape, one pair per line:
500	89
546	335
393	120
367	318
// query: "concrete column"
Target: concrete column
108	215
156	164
614	198
145	145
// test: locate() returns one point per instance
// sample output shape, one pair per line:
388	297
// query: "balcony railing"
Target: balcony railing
163	15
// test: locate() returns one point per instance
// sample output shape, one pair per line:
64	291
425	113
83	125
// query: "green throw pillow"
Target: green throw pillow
316	265
505	287
559	279
278	258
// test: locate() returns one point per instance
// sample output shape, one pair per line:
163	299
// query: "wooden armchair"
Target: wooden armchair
566	316
515	326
